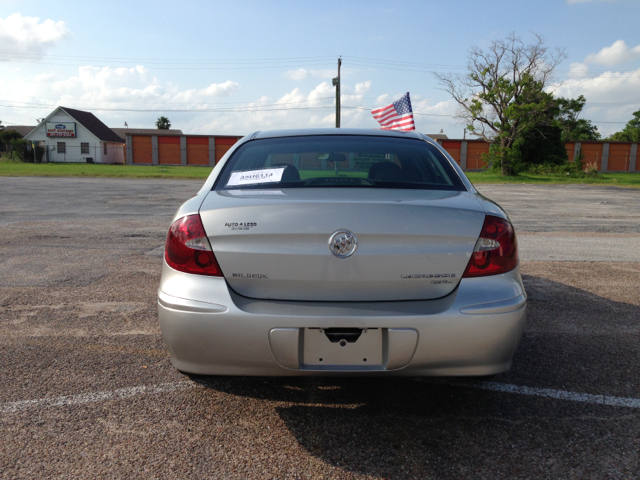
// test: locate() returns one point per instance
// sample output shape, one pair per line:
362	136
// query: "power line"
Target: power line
361	61
250	67
182	60
251	110
589	75
272	63
253	103
391	63
239	108
154	102
162	110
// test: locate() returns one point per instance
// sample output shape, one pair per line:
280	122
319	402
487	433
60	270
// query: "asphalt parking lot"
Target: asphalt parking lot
88	390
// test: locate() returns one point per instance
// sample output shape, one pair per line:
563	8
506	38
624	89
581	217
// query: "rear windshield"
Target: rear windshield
338	161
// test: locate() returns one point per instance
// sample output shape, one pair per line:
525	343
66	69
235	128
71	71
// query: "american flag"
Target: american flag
397	115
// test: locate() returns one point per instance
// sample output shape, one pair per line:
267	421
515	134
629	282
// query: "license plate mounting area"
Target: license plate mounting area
343	348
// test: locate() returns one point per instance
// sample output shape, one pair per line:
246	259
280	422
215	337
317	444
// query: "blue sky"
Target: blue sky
245	65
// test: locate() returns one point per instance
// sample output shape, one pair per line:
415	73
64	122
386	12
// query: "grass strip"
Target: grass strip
18	169
629	180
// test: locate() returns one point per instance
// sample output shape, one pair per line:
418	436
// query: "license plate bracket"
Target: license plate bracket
320	349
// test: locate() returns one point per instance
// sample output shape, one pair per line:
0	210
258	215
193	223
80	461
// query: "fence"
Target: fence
608	156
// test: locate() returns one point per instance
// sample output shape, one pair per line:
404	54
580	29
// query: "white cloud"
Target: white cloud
356	112
284	113
302	73
299	74
435	117
382	100
611	97
97	85
363	87
323	90
619	52
111	93
44	78
27	35
615	87
578	70
100	88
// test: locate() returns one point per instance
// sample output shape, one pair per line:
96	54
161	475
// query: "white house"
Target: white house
71	135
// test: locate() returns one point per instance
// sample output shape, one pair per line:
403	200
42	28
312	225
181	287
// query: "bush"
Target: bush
573	169
21	149
591	169
497	154
8	137
24	151
537	156
535	150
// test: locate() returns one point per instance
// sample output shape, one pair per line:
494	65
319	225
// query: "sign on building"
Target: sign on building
59	129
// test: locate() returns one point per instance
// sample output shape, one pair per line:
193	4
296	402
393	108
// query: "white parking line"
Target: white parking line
546	392
67	400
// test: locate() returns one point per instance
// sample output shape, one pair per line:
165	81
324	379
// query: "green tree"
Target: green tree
544	142
631	131
541	145
573	128
163	123
8	137
503	93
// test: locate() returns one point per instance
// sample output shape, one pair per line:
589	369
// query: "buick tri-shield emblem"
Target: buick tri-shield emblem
343	243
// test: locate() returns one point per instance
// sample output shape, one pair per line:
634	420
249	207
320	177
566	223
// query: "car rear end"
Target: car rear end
338	252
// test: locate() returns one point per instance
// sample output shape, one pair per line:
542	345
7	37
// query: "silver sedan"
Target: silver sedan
340	252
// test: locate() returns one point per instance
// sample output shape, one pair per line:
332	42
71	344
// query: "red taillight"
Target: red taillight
188	250
496	250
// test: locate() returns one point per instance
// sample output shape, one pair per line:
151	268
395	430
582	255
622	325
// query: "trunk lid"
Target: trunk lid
274	244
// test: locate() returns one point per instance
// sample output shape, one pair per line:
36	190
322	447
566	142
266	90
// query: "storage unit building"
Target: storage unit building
160	149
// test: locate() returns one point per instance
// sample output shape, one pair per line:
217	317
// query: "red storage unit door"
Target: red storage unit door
474	155
169	150
309	161
591	153
283	158
570	149
619	157
453	148
197	150
223	144
141	147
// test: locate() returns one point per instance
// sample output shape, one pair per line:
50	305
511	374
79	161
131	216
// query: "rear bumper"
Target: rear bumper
211	330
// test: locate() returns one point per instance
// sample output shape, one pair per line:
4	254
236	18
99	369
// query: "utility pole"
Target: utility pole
336	83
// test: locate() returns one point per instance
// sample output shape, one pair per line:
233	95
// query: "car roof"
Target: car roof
304	132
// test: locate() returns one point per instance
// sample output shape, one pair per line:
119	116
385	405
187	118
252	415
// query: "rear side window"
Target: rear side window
339	161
